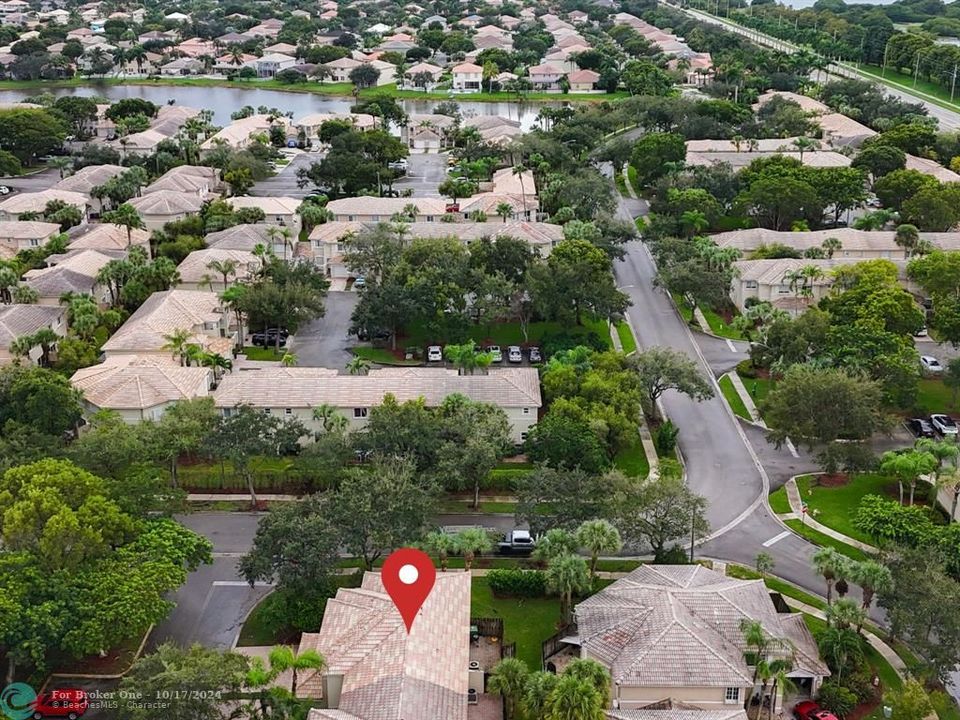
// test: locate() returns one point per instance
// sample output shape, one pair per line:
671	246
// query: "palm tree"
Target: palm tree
274	232
226	267
440	544
8	280
21	347
574	699
472	541
594	673
941	450
509	679
872	577
907	237
504	210
780	670
567	575
45	338
218	362
126	216
598	536
755	638
827	562
176	342
830	245
553	544
358	365
60	163
803	144
518	170
537	694
845	613
283	658
289	359
467	357
907	466
326	415
694	222
840	647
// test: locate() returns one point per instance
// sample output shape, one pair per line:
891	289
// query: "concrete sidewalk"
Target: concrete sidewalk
796	506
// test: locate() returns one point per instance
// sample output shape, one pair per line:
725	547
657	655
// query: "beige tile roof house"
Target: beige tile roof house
73	271
805	103
196	275
141	143
764	145
310	124
814	158
327	239
238	133
85	179
279	211
140	388
376	671
106	236
674	632
842	131
377	209
22	235
770	280
13	207
294	392
195	179
931	167
244	237
163	206
676	711
17	321
861	244
200	312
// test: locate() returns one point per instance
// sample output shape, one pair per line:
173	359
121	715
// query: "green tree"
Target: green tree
30	132
907	467
660	369
911	702
567	575
828	563
598	536
553	544
38	398
654	514
472	541
561	442
467	357
509	678
564	498
440	544
126	216
284	657
654	154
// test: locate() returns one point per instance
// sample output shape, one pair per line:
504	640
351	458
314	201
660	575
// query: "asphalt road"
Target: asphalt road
325	342
35	182
425	172
284	183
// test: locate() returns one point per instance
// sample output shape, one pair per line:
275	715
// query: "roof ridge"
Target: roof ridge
703	643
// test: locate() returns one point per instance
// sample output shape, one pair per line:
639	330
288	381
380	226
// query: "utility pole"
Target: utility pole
916	68
953	82
883	70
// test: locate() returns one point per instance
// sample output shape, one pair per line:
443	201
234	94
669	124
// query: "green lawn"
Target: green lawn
935	397
719	326
818	538
778	501
758	388
382	356
777	585
627	340
527	622
733	398
621	184
686	312
633	461
905	82
259	353
632	176
835	507
510	333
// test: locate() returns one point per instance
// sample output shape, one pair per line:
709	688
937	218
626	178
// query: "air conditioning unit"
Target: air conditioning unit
474	665
473	697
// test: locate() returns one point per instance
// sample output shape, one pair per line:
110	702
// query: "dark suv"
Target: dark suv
269	337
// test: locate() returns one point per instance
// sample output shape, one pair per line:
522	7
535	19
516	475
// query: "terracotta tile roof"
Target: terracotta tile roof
388	674
140	383
19	320
164	312
166	202
27	230
194	268
105	236
679	626
310	387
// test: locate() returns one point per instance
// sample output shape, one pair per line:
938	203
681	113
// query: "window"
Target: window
350	218
751	284
34	242
523	436
732	695
526	411
359	412
288	411
375	218
783	289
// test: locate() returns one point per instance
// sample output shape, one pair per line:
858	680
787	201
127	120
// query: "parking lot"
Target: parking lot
326	342
284	183
425	172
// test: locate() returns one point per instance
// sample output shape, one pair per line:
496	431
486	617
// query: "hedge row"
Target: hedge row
517	583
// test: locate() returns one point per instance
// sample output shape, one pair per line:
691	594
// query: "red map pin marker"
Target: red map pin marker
408	576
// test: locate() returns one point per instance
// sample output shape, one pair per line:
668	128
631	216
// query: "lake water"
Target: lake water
225	100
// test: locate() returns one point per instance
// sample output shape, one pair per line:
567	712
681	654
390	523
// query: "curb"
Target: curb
794	497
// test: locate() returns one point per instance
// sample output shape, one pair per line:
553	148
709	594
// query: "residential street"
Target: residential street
284	184
425	172
325	342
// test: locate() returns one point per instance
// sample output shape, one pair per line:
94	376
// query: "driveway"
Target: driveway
425	172
325	341
37	182
284	184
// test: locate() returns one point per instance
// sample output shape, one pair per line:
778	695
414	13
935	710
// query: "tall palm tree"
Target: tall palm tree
574	699
845	613
504	210
840	647
756	639
830	245
126	216
567	575
598	536
694	222
554	543
594	673
358	365
872	577
472	541
21	347
826	562
804	144
8	280
509	679
176	342
537	693
46	339
283	658
467	357
941	450
907	466
218	363
519	169
226	267
284	233
440	544
781	679
61	164
326	415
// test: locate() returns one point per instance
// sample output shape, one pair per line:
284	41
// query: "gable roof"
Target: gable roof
389	674
240	237
27	230
161	314
166	202
679	626
19	320
105	236
134	383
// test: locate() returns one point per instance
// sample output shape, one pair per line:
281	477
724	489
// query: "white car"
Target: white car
930	364
434	353
514	354
944	424
4	190
495	353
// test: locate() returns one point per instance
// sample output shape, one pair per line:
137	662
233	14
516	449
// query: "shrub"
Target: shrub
836	698
517	583
675	555
554	342
665	438
860	683
503	479
746	368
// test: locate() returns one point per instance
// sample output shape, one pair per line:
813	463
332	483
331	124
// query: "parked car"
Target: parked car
61	703
364	334
535	355
809	710
398	164
930	364
359	283
4	190
495	353
434	353
269	337
516	542
514	355
944	424
920	427
922	332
